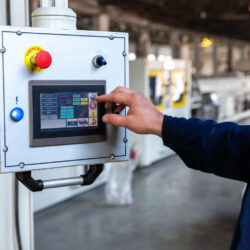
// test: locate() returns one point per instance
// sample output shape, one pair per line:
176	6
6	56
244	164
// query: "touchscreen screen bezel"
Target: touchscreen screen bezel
68	136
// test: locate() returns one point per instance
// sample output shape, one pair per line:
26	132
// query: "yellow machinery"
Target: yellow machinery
168	85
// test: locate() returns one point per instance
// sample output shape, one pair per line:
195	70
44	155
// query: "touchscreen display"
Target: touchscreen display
67	110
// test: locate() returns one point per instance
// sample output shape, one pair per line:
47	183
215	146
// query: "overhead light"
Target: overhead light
123	26
206	42
214	98
203	15
161	58
151	57
169	64
132	56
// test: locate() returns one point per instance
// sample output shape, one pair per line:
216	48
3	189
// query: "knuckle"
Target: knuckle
134	95
119	88
137	96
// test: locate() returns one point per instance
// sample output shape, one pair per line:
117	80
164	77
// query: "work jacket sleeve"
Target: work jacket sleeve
219	148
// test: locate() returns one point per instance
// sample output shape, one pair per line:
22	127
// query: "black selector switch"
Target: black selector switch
99	61
114	109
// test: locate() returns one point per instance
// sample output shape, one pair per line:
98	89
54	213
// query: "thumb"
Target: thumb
116	120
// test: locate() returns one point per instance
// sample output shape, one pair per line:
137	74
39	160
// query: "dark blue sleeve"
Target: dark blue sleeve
219	148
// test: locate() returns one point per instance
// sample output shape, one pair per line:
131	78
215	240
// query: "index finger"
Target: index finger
120	98
109	105
122	90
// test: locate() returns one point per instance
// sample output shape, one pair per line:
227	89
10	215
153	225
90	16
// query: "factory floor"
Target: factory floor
174	208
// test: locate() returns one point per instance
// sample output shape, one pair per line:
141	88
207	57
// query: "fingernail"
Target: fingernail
105	118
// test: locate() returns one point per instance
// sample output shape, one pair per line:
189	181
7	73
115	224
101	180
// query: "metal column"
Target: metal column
15	12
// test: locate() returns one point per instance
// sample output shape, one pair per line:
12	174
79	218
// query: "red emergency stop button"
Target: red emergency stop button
43	59
37	59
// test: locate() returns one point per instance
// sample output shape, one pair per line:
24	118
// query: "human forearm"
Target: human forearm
219	148
222	149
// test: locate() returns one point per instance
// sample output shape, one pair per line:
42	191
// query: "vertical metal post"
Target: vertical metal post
18	16
101	22
3	12
185	52
47	3
229	58
242	53
197	65
143	44
175	44
54	3
19	12
61	3
215	59
7	232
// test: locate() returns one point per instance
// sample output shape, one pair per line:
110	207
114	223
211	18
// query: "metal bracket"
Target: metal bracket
38	185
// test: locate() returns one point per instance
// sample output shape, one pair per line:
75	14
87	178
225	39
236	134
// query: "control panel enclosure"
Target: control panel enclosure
48	115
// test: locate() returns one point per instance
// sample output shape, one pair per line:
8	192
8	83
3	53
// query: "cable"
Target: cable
17	224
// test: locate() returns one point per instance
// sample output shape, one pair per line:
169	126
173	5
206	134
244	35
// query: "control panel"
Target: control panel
49	116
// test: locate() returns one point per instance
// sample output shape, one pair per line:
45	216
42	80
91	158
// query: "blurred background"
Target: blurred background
191	59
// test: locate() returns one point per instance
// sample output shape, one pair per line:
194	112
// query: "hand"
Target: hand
142	116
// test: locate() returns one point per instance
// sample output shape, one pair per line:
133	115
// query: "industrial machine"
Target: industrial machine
50	75
232	95
168	85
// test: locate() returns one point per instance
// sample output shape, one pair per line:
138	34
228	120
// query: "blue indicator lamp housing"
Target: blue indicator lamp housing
16	114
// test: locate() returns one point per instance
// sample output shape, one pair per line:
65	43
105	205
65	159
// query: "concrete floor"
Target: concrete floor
174	208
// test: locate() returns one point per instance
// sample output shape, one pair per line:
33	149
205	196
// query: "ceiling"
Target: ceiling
230	18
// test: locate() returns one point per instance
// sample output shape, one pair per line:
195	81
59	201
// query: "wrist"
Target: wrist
158	124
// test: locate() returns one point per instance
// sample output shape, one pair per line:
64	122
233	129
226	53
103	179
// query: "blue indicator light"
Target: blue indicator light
16	114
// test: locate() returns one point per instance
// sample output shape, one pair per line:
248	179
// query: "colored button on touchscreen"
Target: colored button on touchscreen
67	110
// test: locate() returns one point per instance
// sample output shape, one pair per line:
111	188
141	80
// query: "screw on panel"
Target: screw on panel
112	156
124	53
125	140
111	37
21	164
19	33
5	149
2	50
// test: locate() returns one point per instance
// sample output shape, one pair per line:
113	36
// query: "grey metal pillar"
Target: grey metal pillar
7	232
19	12
229	58
15	12
3	12
242	53
197	61
101	22
215	59
143	43
175	44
